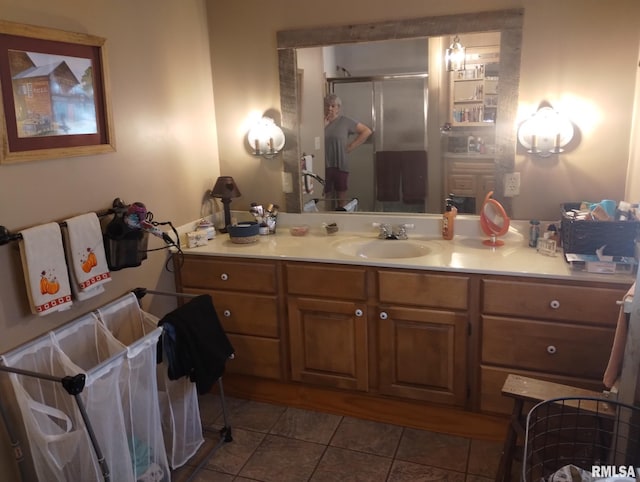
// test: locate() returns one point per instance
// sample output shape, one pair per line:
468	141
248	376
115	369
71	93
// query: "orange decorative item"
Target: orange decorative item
493	221
44	284
53	287
86	266
91	259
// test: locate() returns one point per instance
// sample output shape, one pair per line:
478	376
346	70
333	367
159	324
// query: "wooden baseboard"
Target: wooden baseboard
419	415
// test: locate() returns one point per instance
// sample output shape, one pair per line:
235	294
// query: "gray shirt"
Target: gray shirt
336	139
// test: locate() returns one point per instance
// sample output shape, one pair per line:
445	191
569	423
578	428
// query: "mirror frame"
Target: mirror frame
507	22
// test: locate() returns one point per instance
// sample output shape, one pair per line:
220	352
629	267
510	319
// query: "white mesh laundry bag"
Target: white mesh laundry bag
59	443
181	423
88	346
124	319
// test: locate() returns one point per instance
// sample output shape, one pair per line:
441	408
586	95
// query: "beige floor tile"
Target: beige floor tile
256	416
281	459
409	472
434	449
366	436
232	456
484	458
306	425
348	466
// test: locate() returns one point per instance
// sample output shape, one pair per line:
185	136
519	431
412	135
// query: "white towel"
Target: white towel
87	261
306	164
45	269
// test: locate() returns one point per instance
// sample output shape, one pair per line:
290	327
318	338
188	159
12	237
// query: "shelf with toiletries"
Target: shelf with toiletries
473	95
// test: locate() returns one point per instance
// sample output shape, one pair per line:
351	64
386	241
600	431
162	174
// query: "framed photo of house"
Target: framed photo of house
54	94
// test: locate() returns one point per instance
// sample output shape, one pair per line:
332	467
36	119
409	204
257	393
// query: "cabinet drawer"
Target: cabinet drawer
323	281
463	185
411	288
222	274
552	301
255	356
581	351
493	378
249	314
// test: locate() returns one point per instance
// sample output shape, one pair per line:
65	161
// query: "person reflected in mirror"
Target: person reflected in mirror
341	136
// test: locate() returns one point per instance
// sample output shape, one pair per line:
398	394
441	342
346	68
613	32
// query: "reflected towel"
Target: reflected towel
619	341
414	176
85	256
388	173
45	269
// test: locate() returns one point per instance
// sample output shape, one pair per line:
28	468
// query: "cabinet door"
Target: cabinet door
328	342
423	354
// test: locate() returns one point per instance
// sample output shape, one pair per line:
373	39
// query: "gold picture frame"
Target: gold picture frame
54	94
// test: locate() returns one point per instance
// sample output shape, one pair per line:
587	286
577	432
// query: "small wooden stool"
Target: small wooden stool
524	389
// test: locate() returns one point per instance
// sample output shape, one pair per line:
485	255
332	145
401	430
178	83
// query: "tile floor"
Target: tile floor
274	443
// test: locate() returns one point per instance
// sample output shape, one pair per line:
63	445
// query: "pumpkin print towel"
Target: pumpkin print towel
85	256
45	269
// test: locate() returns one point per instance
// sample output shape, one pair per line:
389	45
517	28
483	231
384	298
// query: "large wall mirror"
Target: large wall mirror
391	76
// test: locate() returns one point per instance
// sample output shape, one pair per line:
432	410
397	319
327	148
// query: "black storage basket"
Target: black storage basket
584	237
580	431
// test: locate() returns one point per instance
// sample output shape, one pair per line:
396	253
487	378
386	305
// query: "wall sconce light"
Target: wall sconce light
266	138
225	189
546	132
455	56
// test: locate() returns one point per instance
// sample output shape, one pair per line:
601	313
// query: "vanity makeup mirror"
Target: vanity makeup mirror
436	32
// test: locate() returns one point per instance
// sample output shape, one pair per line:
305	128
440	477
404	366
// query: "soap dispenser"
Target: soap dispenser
448	219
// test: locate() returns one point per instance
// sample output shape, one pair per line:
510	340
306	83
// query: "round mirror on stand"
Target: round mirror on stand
493	221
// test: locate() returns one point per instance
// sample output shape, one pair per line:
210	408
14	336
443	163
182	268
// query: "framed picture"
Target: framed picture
54	94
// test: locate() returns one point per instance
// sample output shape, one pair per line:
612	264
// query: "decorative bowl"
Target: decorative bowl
299	230
244	233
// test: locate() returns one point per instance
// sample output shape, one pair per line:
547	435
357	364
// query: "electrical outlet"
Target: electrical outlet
512	184
287	182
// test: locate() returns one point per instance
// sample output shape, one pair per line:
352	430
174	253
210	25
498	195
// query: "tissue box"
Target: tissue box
585	237
196	238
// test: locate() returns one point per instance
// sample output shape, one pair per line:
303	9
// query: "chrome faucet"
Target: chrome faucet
388	232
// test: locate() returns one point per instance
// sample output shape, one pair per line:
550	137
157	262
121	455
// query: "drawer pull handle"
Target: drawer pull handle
551	350
227	313
359	312
224	276
383	315
555	304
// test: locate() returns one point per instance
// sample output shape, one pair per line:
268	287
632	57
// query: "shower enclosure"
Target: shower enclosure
395	107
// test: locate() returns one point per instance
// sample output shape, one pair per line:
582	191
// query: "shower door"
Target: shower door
395	107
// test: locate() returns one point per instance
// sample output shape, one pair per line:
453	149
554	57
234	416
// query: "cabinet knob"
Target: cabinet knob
383	315
359	312
555	304
224	276
551	349
226	313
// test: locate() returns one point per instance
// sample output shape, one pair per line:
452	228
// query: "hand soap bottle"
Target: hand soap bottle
448	219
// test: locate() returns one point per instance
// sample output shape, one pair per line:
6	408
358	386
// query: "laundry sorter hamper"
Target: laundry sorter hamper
177	399
581	436
129	438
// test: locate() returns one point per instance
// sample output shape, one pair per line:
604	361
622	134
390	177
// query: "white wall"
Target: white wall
158	56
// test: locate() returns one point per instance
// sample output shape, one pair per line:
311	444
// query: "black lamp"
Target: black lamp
225	188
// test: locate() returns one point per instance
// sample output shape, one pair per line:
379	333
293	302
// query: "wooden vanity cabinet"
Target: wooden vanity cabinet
245	296
556	331
422	324
327	316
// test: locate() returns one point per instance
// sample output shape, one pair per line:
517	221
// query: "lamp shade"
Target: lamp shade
266	138
225	188
455	56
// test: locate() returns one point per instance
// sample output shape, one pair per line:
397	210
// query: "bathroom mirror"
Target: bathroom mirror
508	23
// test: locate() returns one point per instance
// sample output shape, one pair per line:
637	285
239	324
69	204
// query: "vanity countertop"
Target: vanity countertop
465	253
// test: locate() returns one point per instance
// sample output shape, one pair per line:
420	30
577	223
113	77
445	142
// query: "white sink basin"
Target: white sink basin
382	248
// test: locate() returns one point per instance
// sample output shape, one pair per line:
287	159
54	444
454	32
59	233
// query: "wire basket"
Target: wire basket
593	434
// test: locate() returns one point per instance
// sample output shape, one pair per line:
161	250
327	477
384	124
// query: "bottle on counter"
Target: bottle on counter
448	219
534	232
